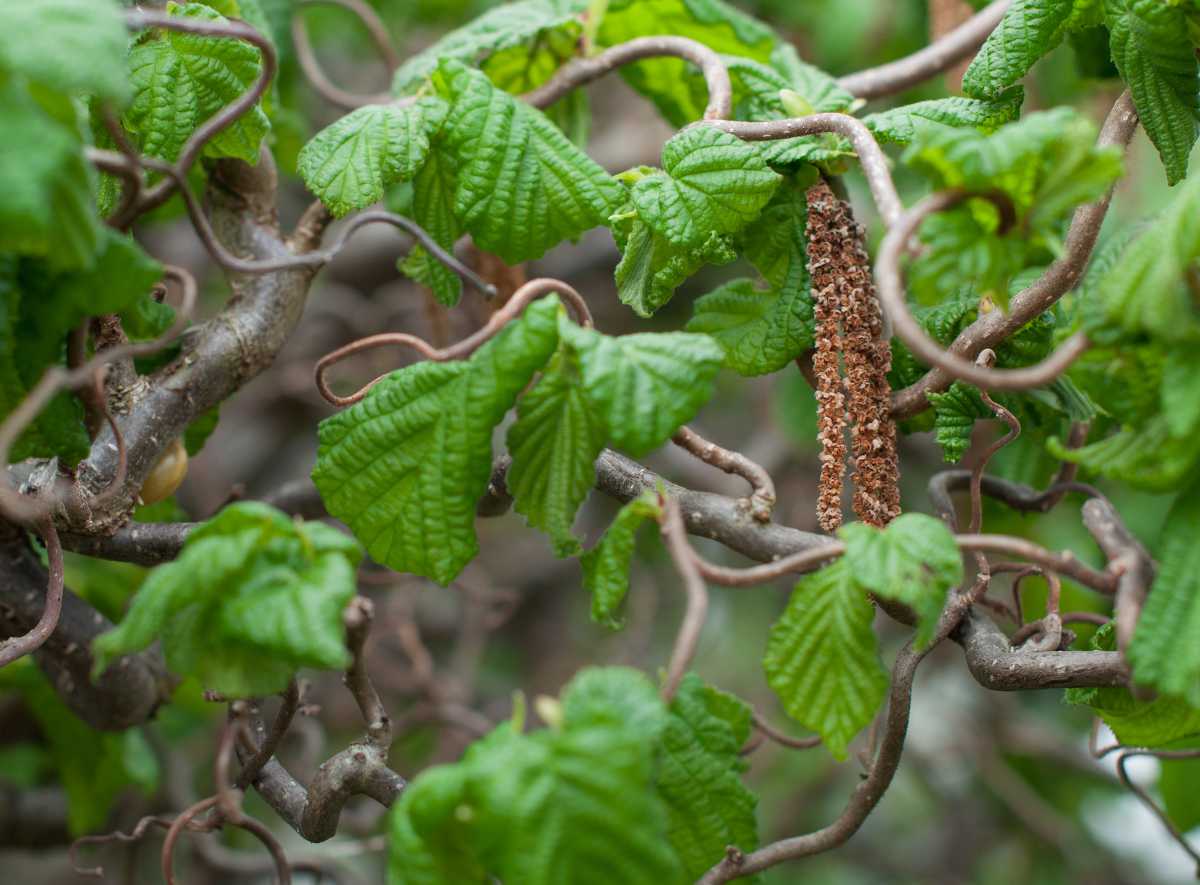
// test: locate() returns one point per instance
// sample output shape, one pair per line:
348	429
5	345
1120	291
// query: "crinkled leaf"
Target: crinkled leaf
522	186
554	444
914	561
1164	652
181	80
350	163
1029	30
405	467
822	658
644	386
955	411
68	45
711	182
606	566
700	776
253	596
761	331
1147	457
433	208
898	125
652	267
1153	51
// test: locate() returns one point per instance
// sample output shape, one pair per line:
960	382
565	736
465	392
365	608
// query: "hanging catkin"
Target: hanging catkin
848	323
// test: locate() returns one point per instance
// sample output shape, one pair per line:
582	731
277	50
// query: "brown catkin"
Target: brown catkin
844	292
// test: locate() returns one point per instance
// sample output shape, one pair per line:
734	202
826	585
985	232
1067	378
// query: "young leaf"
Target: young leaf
433	209
522	186
644	386
822	659
350	163
760	331
572	803
181	80
1164	652
405	467
955	411
898	125
699	777
253	596
1154	53
606	566
554	444
73	46
914	561
711	182
1029	30
1147	457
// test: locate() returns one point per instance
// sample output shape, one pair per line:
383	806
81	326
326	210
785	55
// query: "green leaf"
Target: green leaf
712	182
652	267
1177	782
94	768
181	80
1029	30
955	412
822	658
405	467
1145	291
68	45
433	208
671	82
699	776
508	25
1181	391
47	208
253	596
1164	653
606	566
1147	457
644	387
554	445
572	803
1152	49
522	186
760	331
197	433
898	125
914	561
1155	723
350	163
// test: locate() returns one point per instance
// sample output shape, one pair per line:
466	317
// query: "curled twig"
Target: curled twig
766	728
696	612
19	646
1145	798
306	57
762	487
521	299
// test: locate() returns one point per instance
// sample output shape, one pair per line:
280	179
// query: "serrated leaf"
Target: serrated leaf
1029	30
776	243
822	658
1181	391
898	125
1157	722
955	412
711	182
433	209
573	803
760	331
554	445
646	386
1147	457
606	566
511	24
350	163
522	186
181	80
1164	652
652	267
699	776
914	561
405	467
47	207
68	45
253	596
1152	49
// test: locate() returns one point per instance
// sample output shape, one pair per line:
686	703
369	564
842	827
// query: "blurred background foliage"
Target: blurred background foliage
994	788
